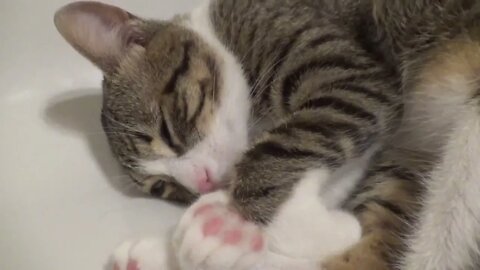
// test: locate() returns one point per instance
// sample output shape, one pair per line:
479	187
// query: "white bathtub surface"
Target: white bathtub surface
64	204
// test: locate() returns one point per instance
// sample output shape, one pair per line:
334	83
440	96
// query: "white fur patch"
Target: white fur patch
449	224
306	228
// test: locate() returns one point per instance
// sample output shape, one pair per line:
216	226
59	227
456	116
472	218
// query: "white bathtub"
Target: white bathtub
63	201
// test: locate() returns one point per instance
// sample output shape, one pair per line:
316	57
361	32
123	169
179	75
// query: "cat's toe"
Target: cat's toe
146	254
213	236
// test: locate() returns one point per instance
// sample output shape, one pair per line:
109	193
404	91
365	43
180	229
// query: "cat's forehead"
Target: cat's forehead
126	97
167	40
173	73
171	50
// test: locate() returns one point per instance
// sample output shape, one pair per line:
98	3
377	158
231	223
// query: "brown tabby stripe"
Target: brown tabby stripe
326	38
323	146
310	127
278	62
331	129
169	136
356	77
181	105
363	90
208	89
340	106
277	150
476	96
327	135
201	104
291	82
390	206
214	92
181	69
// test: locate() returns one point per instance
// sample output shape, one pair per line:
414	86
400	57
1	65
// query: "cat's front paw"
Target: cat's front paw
212	236
146	254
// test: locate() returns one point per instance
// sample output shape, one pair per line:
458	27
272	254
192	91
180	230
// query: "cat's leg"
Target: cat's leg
385	204
442	118
449	224
446	236
212	235
330	112
448	227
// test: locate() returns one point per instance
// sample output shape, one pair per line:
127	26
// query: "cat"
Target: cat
260	97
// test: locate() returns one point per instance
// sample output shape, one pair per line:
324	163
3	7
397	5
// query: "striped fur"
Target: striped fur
332	100
331	81
162	88
417	226
386	204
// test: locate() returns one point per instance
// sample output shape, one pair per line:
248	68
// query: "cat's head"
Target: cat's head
175	107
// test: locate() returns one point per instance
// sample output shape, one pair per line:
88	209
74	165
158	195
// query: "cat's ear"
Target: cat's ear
100	32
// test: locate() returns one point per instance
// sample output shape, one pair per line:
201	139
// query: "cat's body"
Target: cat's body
328	81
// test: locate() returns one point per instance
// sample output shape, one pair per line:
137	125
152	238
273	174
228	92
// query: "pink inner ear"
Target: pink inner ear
100	32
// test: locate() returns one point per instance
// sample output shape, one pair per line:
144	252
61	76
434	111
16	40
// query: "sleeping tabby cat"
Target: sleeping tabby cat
281	101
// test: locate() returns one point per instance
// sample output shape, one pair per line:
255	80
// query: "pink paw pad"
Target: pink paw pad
257	243
132	265
233	237
213	226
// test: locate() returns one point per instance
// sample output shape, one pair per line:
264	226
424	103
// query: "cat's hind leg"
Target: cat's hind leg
385	204
448	226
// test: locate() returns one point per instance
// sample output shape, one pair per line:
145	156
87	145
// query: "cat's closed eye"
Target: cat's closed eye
166	134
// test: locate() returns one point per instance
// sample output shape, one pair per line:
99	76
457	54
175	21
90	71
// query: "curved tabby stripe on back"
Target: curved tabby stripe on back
291	82
324	39
276	150
368	92
340	106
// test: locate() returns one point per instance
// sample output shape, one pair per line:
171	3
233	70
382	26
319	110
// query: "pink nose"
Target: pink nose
204	182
